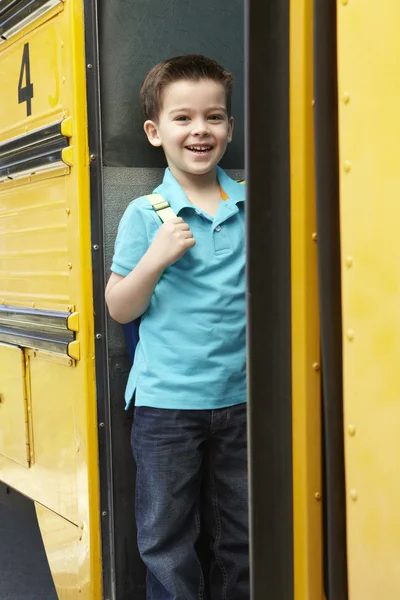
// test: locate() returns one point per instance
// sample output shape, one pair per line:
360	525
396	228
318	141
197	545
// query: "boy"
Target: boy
186	278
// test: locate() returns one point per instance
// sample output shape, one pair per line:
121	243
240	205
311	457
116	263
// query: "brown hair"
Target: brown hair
190	66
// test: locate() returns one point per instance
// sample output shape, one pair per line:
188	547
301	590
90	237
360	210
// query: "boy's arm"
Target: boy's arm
128	297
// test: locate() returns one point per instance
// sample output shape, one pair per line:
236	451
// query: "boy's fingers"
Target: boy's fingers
183	226
177	220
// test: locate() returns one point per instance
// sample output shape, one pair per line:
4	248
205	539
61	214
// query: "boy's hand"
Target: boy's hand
171	242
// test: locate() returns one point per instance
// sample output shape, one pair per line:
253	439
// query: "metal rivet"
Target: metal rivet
350	335
63	79
92	157
317	496
349	262
96	247
69	266
313	102
352	430
316	366
104	513
346	97
344	2
354	495
347	166
98	336
68	211
314	237
62	44
90	66
101	424
33	304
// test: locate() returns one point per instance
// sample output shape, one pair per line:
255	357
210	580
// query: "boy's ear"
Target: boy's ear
151	130
231	124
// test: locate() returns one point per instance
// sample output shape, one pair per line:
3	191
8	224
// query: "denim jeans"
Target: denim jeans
192	469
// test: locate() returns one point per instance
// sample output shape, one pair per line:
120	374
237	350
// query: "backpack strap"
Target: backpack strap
161	206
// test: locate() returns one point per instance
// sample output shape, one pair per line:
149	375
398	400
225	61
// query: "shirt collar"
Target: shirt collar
235	191
173	193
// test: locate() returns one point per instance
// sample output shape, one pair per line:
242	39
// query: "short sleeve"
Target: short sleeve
132	240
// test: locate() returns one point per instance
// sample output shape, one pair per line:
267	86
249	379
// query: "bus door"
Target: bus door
368	47
48	430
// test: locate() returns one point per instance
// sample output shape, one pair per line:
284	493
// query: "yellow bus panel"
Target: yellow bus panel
36	239
369	137
36	78
14	436
46	272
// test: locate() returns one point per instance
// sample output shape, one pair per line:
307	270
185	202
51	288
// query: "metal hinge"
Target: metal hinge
27	404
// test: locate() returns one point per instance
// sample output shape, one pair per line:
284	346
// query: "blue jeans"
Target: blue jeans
192	470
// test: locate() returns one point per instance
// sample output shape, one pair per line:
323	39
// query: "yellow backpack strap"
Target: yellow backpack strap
161	207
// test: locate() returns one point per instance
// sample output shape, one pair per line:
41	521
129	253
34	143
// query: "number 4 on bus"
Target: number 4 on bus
25	94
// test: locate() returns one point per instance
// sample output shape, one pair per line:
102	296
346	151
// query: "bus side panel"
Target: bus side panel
45	267
369	136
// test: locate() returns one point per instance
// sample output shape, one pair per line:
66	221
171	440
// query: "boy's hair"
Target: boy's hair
192	67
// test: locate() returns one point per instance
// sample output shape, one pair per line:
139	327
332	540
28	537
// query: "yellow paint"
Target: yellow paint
65	549
74	350
73	322
14	434
66	127
46	66
44	226
35	244
48	174
68	155
308	580
33	25
369	134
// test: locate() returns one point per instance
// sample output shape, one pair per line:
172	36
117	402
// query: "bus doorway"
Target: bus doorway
133	37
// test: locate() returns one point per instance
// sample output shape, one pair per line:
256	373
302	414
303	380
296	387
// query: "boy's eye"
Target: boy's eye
215	117
182	118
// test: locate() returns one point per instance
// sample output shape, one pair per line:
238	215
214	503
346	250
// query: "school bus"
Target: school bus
319	100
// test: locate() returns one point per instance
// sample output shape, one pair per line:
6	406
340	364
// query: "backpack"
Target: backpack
131	330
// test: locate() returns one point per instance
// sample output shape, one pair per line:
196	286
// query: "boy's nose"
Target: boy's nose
201	128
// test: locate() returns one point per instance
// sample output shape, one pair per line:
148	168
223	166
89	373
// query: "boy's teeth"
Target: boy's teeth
200	148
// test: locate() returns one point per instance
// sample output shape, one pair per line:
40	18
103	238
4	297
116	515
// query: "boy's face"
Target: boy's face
193	126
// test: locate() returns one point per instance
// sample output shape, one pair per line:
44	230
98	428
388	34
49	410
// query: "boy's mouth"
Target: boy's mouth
199	149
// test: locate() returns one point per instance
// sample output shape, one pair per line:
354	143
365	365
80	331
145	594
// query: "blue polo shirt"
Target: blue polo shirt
192	348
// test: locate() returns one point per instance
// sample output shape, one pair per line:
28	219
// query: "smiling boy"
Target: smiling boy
186	279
